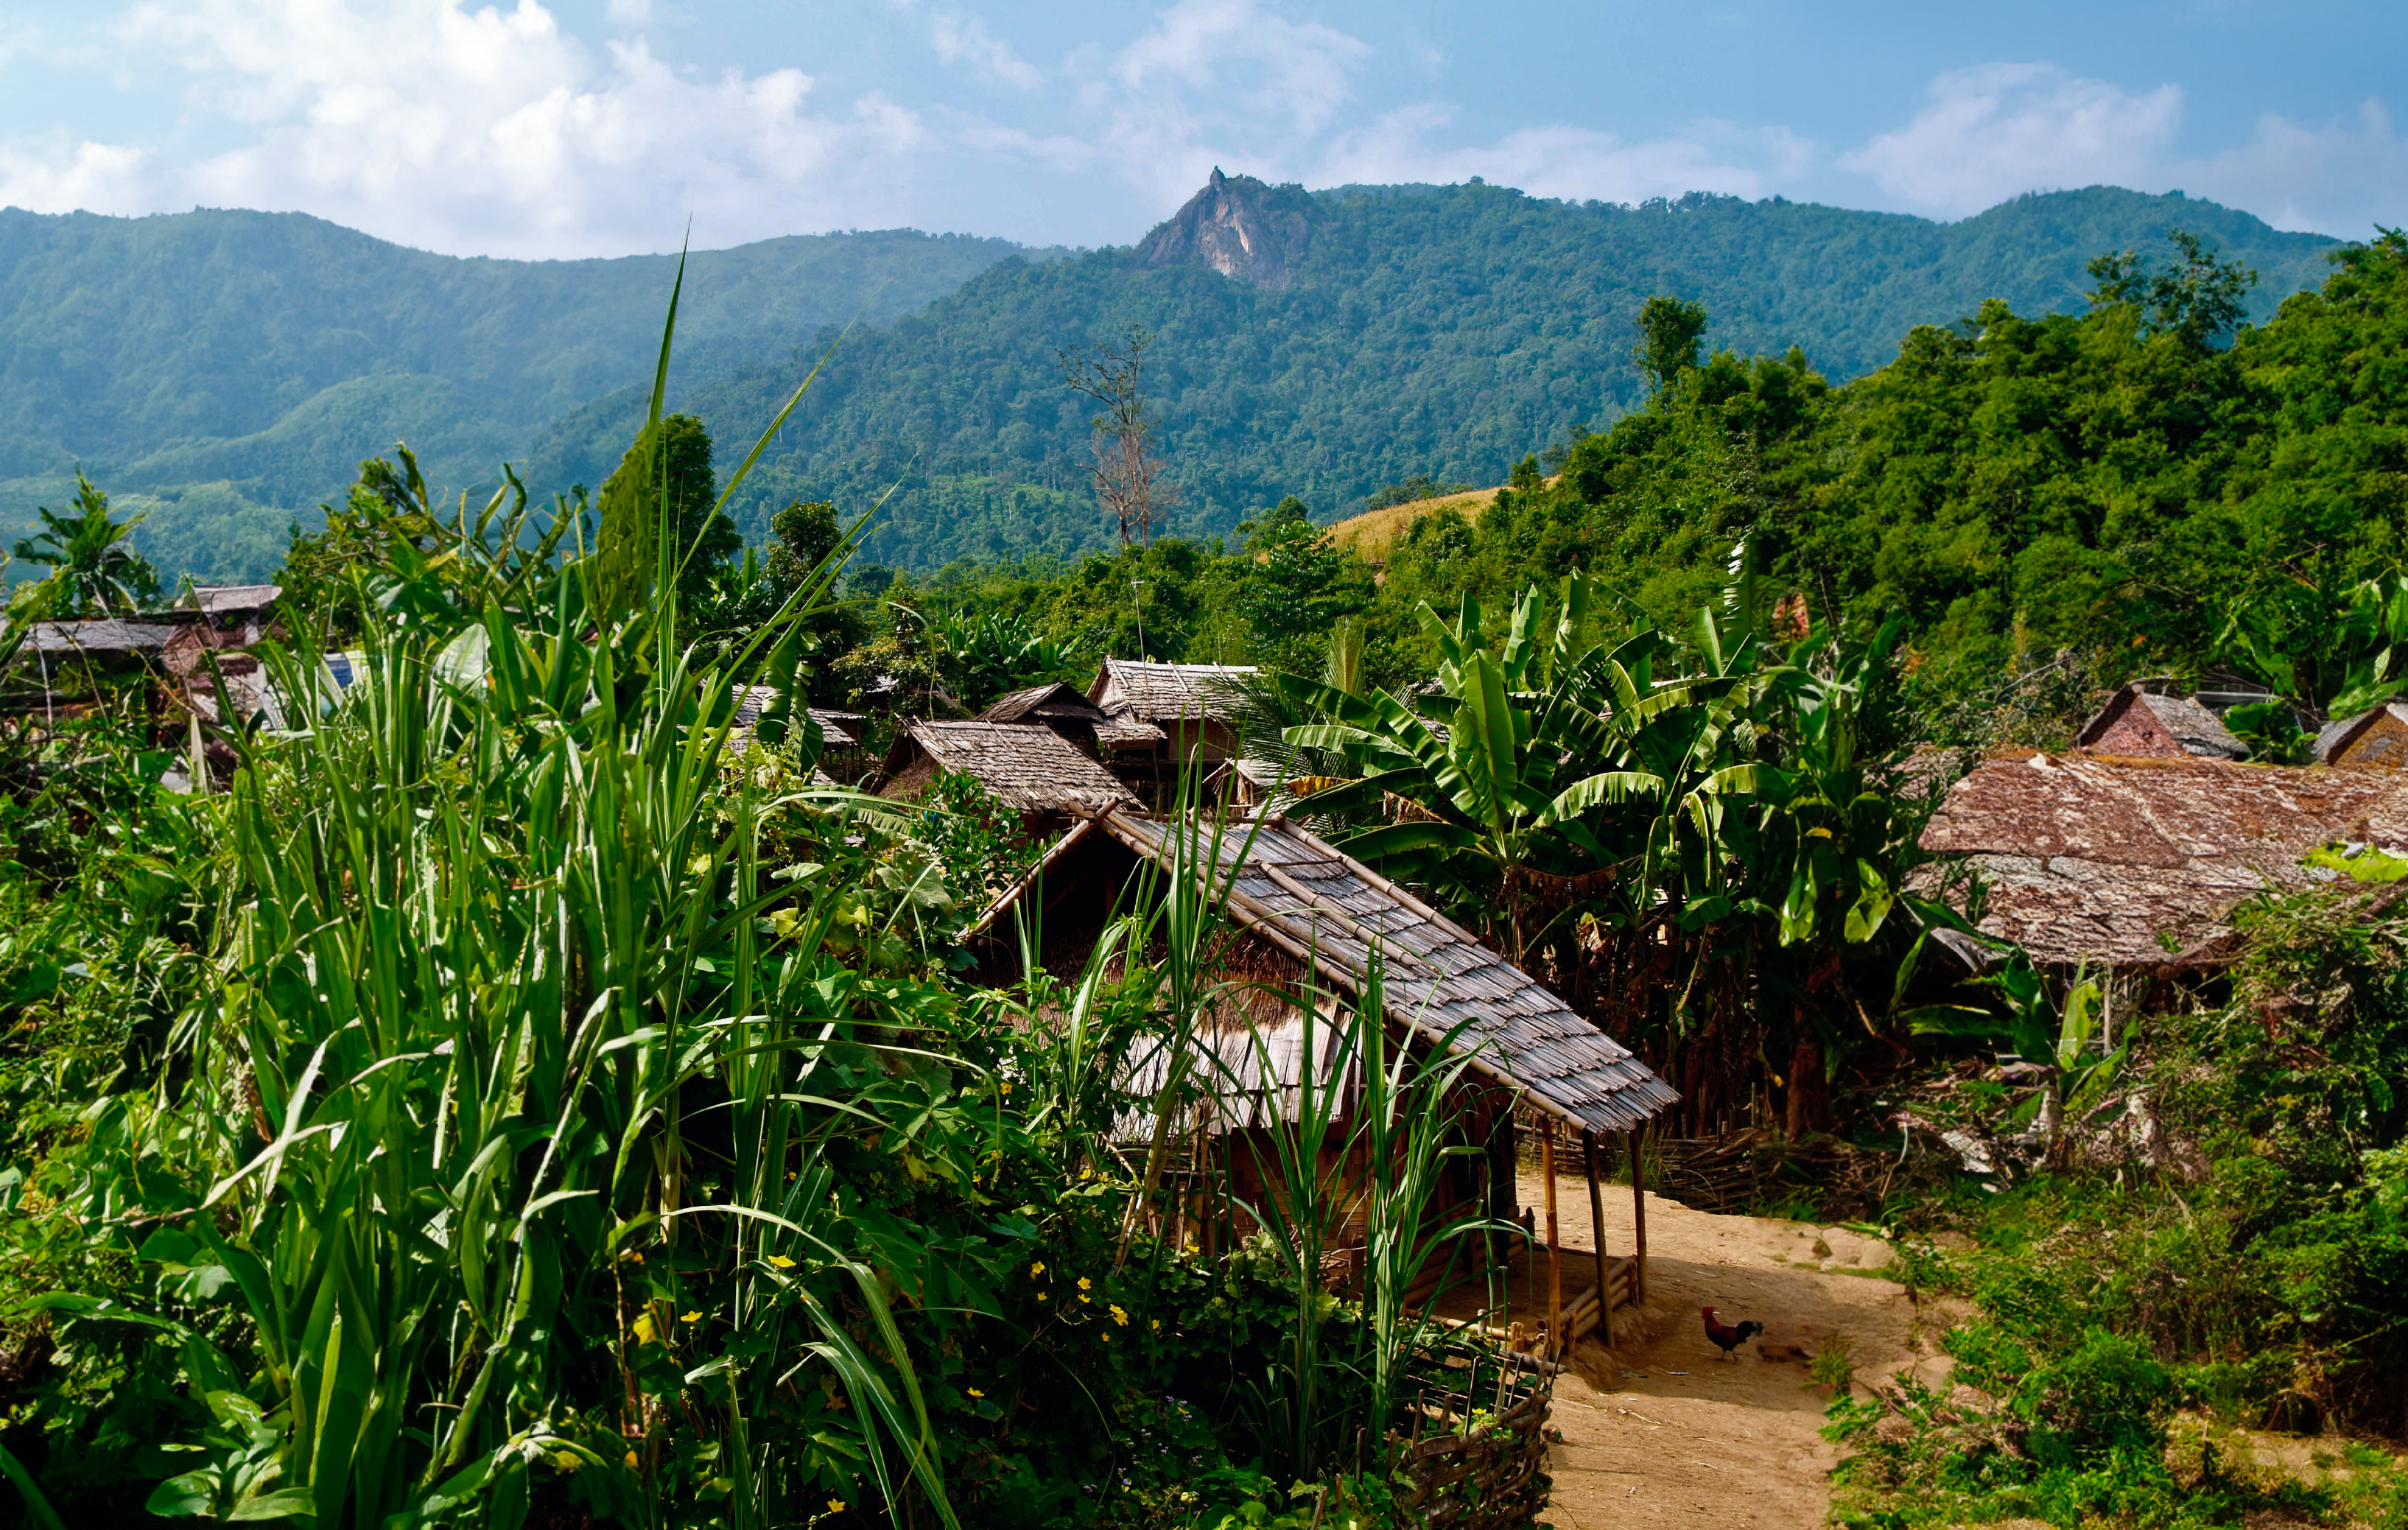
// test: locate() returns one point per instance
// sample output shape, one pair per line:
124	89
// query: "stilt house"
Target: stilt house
1307	921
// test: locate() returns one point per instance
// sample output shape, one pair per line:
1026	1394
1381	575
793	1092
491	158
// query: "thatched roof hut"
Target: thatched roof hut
1308	920
2140	723
2141	862
1161	718
1032	770
1168	693
1321	908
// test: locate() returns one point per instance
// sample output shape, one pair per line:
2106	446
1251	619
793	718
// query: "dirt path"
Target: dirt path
1662	1430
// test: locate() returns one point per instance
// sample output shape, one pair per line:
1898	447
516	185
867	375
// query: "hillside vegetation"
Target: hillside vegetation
226	371
1447	331
518	1096
235	367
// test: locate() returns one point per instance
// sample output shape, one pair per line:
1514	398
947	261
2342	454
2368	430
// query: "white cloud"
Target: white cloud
456	125
1570	162
53	173
1219	81
963	39
483	130
1991	133
2342	179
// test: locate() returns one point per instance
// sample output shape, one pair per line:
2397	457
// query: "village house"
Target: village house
2137	863
1162	718
1058	707
2142	723
2375	740
1308	920
1030	769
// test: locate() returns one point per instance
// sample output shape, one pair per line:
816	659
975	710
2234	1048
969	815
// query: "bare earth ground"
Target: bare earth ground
1662	1430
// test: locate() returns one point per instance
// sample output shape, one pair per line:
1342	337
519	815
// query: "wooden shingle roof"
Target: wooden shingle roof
1327	909
1029	769
1162	693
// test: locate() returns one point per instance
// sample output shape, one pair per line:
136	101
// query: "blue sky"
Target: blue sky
598	127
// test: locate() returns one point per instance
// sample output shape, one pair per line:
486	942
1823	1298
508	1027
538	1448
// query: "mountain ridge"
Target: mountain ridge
225	371
1449	331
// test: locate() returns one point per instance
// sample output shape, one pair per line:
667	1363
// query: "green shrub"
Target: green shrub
2109	1398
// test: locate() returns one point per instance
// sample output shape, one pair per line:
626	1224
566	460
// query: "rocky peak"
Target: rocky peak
1240	227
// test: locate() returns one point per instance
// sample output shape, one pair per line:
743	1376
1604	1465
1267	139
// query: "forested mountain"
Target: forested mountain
225	371
1352	337
234	367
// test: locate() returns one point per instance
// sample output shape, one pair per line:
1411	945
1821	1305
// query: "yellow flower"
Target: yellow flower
835	1506
1158	1326
1118	1316
1104	1336
1040	1295
690	1317
1007	1086
976	1392
781	1261
1085	1284
632	1463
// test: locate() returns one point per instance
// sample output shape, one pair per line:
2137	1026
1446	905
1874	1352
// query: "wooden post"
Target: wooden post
1638	1219
1555	1262
1597	1235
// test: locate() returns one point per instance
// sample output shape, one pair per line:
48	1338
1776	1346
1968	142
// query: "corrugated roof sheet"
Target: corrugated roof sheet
2096	859
1031	769
1320	904
1160	692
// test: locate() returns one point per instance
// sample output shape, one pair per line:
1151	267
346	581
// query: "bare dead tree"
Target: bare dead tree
1131	482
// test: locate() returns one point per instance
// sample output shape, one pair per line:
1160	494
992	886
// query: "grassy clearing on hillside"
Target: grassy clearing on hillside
1373	532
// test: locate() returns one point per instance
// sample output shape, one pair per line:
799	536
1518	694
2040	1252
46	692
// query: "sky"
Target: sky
609	127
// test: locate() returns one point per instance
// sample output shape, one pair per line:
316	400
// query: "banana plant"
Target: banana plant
2335	649
2052	1037
1838	836
1494	780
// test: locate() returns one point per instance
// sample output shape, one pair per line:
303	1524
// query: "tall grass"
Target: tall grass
496	1076
1372	1129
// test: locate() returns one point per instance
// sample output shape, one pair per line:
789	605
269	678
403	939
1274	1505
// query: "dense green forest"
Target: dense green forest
1448	331
223	372
233	367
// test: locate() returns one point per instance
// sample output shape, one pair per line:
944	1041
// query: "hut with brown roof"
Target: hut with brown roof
1032	770
1162	717
1055	705
2138	863
2142	723
1308	923
2375	740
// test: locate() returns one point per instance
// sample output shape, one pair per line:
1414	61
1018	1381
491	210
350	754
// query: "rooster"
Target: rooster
1727	1338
